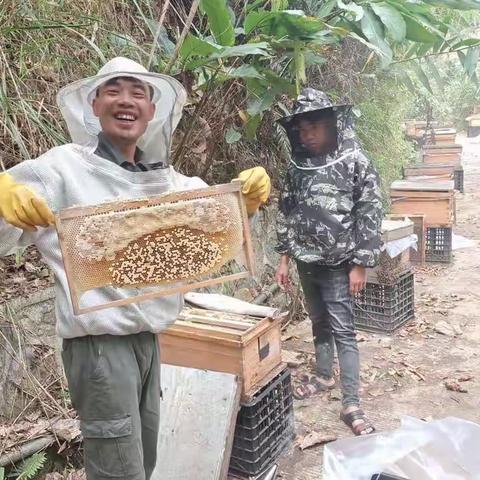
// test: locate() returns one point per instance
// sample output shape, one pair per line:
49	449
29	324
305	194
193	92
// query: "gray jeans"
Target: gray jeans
329	305
114	384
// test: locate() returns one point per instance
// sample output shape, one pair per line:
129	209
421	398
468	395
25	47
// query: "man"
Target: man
121	122
329	223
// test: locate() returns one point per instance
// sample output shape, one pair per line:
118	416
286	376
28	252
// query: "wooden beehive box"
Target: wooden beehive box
224	342
433	199
429	171
444	148
444	135
390	268
417	257
431	157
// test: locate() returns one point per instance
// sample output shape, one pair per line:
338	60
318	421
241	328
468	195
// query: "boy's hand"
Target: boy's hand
358	278
256	187
21	207
282	276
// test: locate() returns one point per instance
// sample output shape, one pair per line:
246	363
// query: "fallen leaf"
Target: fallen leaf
466	378
335	395
291	358
54	476
454	386
67	429
315	438
376	392
444	328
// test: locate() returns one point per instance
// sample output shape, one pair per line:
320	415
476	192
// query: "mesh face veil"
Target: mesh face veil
169	97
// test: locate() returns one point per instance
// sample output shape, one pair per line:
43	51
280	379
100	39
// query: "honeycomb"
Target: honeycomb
176	238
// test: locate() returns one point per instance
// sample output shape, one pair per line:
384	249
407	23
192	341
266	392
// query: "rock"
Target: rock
445	329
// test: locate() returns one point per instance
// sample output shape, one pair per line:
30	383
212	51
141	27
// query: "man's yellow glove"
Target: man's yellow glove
256	187
21	207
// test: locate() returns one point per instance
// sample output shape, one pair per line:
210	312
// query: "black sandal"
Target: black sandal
309	387
364	428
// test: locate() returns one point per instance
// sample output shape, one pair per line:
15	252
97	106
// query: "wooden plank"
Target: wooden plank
78	310
248	395
440	186
197	423
396	229
109	207
440	211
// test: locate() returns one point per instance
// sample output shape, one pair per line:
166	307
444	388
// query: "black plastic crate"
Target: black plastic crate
385	308
265	427
438	244
458	179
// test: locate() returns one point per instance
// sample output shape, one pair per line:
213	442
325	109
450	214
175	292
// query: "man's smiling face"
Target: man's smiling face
124	107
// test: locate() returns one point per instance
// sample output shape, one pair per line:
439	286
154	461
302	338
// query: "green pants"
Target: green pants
114	384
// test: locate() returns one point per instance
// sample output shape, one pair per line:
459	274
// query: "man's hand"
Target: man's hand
282	276
21	207
358	279
256	187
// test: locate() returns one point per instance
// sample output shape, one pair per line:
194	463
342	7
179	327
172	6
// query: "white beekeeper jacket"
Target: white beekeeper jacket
74	175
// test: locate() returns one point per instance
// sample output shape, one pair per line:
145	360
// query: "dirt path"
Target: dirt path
405	374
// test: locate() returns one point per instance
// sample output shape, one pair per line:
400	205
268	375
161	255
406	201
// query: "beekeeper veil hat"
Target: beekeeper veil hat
169	97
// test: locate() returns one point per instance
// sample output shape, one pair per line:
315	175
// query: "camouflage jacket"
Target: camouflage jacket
330	208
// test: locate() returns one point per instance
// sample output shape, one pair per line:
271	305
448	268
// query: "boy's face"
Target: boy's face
124	108
318	136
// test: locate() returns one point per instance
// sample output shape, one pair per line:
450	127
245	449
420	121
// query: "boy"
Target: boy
329	222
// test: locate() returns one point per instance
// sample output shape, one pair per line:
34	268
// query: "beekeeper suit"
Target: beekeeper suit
110	357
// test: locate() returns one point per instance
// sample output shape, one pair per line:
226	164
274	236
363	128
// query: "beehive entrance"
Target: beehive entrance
175	241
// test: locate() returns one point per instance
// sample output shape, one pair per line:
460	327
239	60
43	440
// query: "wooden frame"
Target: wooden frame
74	212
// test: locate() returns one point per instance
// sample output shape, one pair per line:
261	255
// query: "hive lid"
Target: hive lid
438	186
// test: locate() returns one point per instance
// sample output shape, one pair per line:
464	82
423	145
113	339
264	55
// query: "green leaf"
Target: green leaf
470	42
260	49
251	126
471	61
373	30
435	73
416	32
311	58
353	8
392	19
457	4
2	473
326	8
31	466
244	71
422	77
287	23
194	46
219	21
232	136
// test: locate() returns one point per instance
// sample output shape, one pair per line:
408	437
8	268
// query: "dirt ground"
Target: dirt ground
405	374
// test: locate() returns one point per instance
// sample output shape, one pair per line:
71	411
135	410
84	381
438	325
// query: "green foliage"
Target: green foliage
30	467
450	99
384	107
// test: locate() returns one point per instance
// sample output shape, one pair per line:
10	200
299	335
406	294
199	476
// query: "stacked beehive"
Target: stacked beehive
387	301
251	349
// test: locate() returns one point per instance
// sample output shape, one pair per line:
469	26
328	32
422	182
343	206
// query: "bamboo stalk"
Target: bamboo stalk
186	29
157	33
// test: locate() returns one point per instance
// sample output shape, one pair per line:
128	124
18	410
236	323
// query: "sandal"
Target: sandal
309	387
364	428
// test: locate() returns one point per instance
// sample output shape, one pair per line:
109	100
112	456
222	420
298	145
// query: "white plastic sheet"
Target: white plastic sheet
440	450
396	247
459	242
224	303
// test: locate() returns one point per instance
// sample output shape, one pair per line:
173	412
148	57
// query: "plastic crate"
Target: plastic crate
385	308
265	427
458	179
438	244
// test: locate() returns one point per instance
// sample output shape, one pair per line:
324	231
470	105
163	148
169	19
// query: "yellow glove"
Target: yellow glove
256	187
21	207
